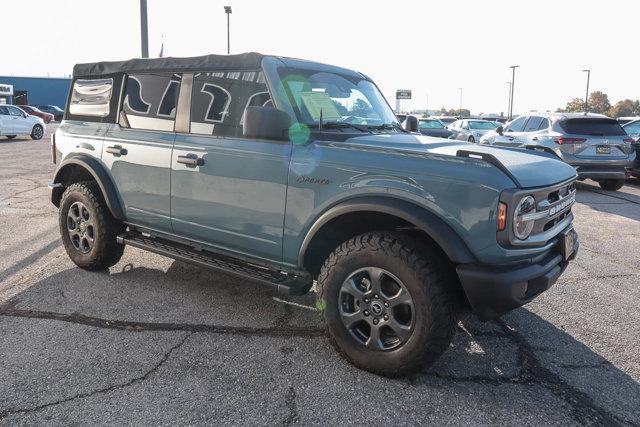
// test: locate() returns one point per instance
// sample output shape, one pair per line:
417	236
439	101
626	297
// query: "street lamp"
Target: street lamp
513	79
509	100
144	34
227	10
460	109
586	98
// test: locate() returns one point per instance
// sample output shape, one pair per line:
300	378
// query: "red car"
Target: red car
33	111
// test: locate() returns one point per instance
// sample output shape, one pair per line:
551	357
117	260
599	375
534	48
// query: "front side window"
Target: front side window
218	101
91	97
150	101
339	99
15	111
517	125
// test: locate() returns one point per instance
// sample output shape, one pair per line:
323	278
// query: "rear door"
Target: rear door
596	138
137	150
233	197
6	121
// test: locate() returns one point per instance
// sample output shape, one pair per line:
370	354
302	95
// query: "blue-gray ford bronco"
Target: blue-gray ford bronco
291	173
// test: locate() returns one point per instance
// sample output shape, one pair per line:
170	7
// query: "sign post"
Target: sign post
401	94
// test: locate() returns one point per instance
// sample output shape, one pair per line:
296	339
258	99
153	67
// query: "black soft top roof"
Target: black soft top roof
243	61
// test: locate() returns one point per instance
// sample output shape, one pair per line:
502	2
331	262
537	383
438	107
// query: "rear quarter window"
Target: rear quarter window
589	126
91	97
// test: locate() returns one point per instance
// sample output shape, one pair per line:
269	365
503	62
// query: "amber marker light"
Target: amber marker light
502	216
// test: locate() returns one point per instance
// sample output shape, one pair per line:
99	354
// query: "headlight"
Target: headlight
521	226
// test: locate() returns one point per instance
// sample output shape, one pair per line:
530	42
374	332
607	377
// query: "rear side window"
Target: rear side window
91	97
150	101
544	124
591	126
533	124
218	101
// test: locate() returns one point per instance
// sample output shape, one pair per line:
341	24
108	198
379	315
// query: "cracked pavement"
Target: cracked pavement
156	341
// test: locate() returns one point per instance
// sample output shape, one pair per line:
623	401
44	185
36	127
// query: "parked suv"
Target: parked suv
33	111
594	144
52	109
286	172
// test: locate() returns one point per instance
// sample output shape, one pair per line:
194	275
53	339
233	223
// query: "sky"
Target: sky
431	47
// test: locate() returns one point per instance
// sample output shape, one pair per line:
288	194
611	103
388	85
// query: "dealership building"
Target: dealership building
34	90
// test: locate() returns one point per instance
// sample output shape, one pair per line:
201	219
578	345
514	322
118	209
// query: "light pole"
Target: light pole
144	33
513	80
227	10
460	109
586	98
426	107
509	100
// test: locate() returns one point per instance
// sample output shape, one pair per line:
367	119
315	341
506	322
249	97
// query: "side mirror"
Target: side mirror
266	123
411	124
25	115
499	130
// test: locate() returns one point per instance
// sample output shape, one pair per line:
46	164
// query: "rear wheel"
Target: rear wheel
37	132
87	228
611	184
387	303
11	136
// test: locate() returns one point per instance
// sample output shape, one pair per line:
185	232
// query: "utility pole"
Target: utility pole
513	81
144	31
460	109
227	10
586	98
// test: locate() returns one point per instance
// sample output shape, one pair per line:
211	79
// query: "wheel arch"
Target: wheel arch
367	210
79	167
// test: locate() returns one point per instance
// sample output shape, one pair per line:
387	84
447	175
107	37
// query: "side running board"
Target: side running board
285	283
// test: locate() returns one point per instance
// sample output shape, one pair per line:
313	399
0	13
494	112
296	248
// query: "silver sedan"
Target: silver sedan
471	130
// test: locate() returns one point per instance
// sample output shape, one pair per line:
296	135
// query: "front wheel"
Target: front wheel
37	132
87	228
611	184
387	303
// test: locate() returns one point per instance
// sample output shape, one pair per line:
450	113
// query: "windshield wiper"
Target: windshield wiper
340	125
388	126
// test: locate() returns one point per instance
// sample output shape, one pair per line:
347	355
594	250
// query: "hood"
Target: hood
531	169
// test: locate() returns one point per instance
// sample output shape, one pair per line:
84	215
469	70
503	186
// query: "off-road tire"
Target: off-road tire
105	251
10	136
611	184
423	272
37	132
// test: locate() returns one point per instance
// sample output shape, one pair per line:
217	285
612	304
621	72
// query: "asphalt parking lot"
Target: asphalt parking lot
159	341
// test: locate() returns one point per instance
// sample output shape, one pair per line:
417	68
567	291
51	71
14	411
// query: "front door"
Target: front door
137	150
20	124
228	191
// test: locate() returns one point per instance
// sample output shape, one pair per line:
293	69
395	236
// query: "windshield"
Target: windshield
340	98
483	125
431	124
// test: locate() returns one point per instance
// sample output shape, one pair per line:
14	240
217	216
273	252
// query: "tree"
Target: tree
625	108
598	103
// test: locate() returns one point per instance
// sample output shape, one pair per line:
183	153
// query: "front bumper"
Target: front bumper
494	290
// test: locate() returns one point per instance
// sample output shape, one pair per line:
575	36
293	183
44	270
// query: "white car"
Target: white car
14	121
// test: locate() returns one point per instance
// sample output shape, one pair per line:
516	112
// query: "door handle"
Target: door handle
535	138
116	151
191	160
510	138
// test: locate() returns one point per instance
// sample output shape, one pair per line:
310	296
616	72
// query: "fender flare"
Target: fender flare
448	240
99	174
